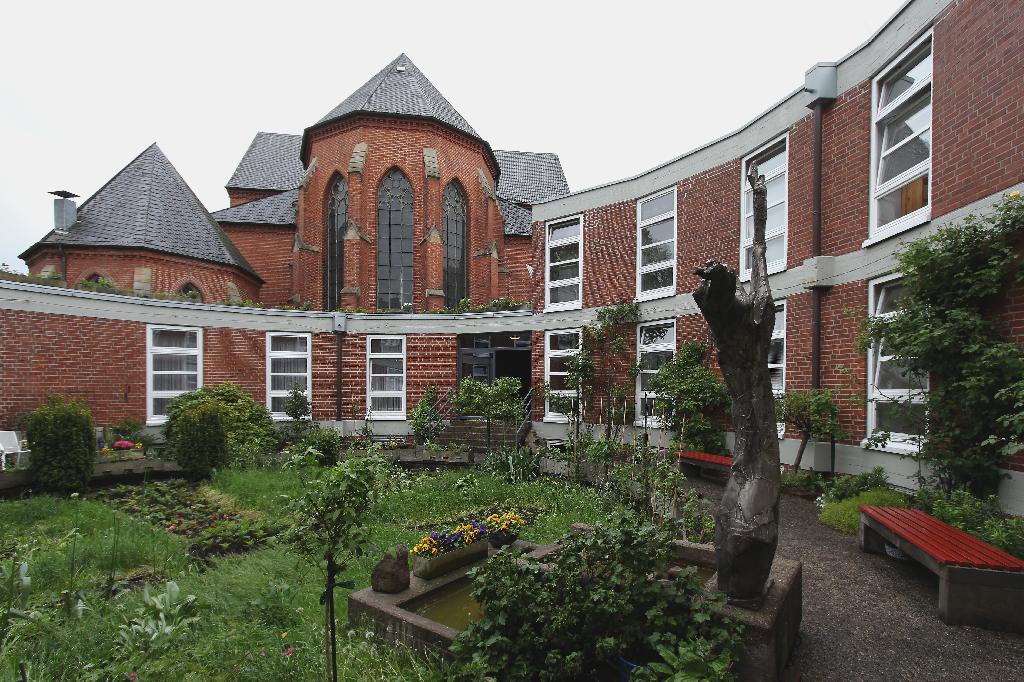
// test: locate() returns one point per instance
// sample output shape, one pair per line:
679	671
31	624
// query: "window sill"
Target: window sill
899	226
550	419
655	294
559	308
893	448
772	270
156	421
386	418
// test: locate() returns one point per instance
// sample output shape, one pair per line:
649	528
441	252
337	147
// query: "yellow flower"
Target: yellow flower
1014	195
284	634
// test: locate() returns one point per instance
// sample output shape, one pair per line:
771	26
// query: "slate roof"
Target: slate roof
148	205
530	177
527	178
278	209
271	162
405	92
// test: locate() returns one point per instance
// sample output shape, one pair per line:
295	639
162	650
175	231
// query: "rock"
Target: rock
391	574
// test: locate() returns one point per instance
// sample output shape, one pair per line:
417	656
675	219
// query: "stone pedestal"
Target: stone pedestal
770	632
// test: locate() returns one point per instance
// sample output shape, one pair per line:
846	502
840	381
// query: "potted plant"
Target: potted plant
441	552
503	529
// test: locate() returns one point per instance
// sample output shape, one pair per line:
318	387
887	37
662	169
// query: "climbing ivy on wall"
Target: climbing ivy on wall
945	328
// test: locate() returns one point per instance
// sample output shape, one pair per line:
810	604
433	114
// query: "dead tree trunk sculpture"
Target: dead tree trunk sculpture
741	319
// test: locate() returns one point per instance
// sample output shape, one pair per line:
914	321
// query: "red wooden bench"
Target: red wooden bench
978	584
702	460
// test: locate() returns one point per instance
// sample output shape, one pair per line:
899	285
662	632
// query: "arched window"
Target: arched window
192	291
394	242
337	222
454	244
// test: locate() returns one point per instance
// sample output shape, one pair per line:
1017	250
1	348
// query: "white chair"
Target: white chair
10	445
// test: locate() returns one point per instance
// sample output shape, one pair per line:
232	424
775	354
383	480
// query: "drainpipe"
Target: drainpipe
820	80
816	292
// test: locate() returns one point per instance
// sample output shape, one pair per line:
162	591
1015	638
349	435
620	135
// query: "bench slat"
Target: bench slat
944	543
721	460
961	547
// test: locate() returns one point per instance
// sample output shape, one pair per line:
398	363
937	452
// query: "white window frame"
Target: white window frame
781	334
548	245
271	354
370	393
549	415
641	269
151	350
898	442
879	118
669	345
775	265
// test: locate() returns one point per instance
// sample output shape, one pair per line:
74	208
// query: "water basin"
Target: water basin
450	605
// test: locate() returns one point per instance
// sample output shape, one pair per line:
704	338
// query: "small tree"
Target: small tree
812	413
329	529
498	401
425	418
687	394
298	409
199	442
62	437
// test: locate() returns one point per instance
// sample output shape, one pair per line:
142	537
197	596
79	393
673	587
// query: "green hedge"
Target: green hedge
844	516
248	428
200	443
62	437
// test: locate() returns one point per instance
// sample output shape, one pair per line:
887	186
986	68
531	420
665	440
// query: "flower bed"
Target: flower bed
179	508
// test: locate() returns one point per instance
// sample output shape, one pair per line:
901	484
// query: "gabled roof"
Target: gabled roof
400	88
527	178
278	209
148	205
530	177
271	162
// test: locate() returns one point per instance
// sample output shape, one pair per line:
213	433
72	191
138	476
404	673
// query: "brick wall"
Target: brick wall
169	273
244	196
518	283
270	251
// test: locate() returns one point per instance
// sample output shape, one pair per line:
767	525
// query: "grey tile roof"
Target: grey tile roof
271	162
148	205
518	218
278	209
527	178
405	92
530	177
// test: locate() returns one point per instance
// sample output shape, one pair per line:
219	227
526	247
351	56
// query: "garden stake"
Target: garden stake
327	599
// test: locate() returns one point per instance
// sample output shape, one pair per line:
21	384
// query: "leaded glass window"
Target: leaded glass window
337	222
394	242
454	244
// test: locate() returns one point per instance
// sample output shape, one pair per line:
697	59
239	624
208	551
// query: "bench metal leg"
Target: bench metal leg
982	598
869	539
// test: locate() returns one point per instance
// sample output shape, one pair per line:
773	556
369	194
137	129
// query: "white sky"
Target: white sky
86	86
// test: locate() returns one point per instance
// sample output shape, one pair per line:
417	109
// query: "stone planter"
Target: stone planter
431	567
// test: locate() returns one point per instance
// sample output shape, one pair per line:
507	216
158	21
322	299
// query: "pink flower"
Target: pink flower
288	652
133	676
171	527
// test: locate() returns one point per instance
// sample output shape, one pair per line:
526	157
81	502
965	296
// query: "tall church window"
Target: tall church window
394	242
454	244
337	222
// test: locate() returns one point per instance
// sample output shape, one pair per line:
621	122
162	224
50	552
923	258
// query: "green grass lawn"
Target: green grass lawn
259	613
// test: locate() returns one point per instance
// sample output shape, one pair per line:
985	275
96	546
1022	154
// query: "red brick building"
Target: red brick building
392	206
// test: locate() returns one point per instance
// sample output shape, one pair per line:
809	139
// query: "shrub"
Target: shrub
689	394
248	427
802	480
62	437
425	419
845	487
200	442
298	408
844	516
594	599
514	464
326	444
981	517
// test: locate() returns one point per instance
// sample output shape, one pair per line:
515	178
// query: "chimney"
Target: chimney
65	210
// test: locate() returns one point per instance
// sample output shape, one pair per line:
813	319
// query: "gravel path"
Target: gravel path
869	617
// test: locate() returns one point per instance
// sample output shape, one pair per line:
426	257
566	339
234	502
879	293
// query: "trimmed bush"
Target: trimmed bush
845	487
248	428
62	437
844	516
326	442
200	441
981	517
